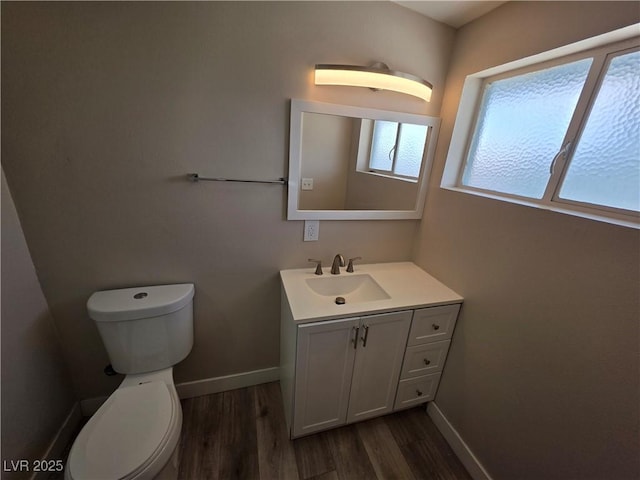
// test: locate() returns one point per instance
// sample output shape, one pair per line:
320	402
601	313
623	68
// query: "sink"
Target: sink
354	288
373	288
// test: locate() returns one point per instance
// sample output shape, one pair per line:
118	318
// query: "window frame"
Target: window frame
602	49
392	173
562	166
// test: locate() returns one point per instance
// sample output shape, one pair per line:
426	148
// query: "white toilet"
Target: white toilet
135	433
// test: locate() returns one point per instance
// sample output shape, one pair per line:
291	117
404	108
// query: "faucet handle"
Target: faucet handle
318	266
350	266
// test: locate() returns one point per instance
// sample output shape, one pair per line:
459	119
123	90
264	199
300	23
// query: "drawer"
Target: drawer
414	391
424	359
433	324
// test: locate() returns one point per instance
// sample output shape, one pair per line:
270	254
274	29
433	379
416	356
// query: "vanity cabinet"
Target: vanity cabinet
352	369
347	370
382	349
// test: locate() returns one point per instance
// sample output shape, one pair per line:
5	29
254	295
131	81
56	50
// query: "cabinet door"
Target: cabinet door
381	346
324	364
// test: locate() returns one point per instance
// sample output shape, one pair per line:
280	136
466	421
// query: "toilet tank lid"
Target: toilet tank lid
139	302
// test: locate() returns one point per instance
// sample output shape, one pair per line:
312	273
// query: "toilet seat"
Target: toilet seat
130	436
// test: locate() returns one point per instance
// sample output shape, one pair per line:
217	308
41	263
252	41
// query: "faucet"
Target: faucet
338	261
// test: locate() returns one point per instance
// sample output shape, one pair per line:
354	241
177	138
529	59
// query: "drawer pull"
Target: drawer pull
366	335
355	337
419	393
426	361
436	326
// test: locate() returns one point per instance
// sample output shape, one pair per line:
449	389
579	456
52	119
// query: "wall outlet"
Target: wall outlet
311	230
306	184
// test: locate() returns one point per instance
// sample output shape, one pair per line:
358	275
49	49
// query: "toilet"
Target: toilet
135	434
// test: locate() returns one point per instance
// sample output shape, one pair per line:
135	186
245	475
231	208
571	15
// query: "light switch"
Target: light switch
307	184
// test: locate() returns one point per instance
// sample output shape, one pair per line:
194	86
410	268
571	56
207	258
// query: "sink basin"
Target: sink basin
354	288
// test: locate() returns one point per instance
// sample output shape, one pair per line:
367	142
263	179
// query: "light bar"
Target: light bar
377	78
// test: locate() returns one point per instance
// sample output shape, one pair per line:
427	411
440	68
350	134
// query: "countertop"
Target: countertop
408	286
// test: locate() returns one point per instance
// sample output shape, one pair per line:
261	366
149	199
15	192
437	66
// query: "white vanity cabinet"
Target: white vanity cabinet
347	370
369	356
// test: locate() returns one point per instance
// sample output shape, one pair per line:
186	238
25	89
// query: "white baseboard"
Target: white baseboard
61	440
205	386
208	386
458	445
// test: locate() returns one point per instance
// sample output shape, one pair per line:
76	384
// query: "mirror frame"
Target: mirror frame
298	107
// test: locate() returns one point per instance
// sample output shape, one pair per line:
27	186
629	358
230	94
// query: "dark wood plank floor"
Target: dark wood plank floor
241	434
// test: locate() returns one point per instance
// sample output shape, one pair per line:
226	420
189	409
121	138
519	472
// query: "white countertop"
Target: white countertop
408	286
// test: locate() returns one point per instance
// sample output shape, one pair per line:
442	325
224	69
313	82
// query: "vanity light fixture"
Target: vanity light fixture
377	77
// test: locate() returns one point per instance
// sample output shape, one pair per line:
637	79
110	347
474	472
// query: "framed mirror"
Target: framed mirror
353	163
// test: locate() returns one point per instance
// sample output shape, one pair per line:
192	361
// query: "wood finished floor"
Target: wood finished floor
241	434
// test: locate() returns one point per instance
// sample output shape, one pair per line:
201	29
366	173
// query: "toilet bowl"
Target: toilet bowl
135	434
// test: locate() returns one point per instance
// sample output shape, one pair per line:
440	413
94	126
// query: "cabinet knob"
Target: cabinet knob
436	326
426	361
419	393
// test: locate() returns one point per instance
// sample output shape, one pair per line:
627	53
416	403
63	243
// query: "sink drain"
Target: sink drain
340	301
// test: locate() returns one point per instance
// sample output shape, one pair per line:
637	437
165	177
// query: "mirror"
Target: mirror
353	163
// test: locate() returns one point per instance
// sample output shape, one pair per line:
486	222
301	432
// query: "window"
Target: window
563	133
520	127
611	131
397	148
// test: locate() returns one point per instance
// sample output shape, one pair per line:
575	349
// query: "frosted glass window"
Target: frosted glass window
520	127
397	148
565	136
411	141
383	144
605	168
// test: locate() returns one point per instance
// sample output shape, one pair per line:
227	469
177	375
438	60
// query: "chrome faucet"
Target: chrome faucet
338	261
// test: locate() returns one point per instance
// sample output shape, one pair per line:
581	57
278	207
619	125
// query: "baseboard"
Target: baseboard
61	440
208	386
458	445
205	386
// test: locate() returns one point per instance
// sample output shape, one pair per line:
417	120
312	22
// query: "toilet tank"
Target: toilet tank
144	328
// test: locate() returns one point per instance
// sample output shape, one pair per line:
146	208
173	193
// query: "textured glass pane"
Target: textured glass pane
605	168
384	139
520	128
410	149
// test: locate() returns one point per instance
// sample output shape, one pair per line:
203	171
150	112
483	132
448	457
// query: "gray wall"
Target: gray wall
36	390
326	145
542	377
105	108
